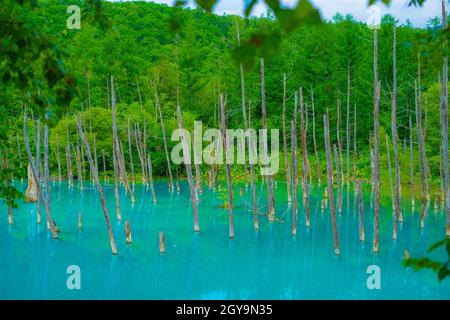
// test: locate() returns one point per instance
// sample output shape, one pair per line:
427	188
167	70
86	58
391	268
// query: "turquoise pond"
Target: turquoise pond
265	264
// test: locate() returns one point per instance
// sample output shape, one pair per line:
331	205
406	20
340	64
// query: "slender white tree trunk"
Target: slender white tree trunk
305	161
361	213
227	165
94	171
169	168
326	125
376	154
244	113
444	127
285	148
271	212
397	204
314	138
58	157
51	222
187	163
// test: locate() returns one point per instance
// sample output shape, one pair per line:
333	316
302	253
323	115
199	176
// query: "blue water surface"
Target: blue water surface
265	264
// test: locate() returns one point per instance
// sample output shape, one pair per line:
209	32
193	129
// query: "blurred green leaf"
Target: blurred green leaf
206	4
436	245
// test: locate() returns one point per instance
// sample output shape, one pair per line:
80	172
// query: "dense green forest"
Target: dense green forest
140	47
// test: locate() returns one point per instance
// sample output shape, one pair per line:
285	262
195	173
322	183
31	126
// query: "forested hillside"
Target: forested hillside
140	47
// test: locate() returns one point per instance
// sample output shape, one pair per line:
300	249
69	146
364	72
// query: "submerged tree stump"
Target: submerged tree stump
361	212
162	246
80	221
127	232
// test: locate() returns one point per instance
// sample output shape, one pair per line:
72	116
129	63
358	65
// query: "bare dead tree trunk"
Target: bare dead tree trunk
121	162
158	105
421	159
82	163
187	163
371	160
140	152
104	166
38	165
422	148
128	233
212	154
339	166
347	127
294	165
144	147
397	205
51	222
376	145
79	170
361	212
444	126
411	160
251	143
314	137
68	156
227	165
309	173
305	160
150	176
177	183
285	149
162	246
130	153
326	125
8	185
116	181
198	178
294	172
441	178
58	157
394	235
338	176
339	146
391	188
117	150
271	212
244	113
46	170
94	171
354	148
95	157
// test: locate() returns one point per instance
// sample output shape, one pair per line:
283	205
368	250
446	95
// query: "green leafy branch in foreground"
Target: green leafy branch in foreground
442	268
31	62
